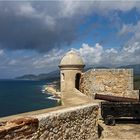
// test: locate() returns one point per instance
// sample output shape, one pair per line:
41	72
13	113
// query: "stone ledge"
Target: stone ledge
64	110
66	121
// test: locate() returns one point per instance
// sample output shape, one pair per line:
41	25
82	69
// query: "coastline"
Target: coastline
25	92
52	90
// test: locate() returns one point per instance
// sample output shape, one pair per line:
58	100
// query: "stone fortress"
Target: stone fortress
117	82
78	116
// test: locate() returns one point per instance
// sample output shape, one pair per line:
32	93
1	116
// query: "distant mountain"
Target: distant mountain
27	77
136	68
55	74
51	75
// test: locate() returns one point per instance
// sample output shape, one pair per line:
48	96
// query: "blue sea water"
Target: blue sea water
19	96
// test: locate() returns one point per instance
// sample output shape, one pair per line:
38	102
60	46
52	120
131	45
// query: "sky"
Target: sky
35	35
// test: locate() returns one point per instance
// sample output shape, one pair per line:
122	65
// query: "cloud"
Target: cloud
12	65
42	26
122	5
50	27
70	8
26	26
91	55
1	52
98	56
126	28
133	44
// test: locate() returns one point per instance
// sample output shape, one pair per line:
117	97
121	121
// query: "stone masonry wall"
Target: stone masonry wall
117	82
73	123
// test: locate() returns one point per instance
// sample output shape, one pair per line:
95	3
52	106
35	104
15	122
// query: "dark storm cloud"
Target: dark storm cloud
44	25
27	26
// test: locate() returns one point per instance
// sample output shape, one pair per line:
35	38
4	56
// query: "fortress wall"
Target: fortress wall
117	82
79	122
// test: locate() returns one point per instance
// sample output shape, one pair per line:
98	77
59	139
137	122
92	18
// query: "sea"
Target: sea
20	96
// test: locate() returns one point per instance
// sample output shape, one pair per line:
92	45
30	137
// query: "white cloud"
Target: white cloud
26	9
91	54
112	50
97	55
132	49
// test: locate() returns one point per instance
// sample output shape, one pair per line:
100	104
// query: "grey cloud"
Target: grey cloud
24	27
95	55
134	42
34	63
43	26
49	26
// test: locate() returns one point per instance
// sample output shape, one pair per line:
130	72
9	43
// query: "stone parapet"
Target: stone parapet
75	123
72	123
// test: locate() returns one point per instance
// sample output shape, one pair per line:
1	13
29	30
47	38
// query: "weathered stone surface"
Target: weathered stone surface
72	123
21	128
117	82
75	123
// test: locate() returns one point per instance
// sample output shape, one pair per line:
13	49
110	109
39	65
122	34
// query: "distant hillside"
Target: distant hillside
52	75
27	77
135	67
55	74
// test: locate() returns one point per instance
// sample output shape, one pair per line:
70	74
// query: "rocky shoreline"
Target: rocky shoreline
53	91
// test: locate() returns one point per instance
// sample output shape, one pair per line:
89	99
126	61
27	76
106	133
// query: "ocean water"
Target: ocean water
19	96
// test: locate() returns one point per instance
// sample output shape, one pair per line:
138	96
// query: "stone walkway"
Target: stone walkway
121	131
74	98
